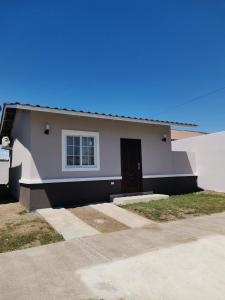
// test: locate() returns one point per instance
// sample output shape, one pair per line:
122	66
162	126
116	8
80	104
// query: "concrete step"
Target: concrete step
112	196
139	198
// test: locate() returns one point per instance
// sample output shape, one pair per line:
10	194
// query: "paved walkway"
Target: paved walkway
175	260
97	219
123	216
66	223
87	220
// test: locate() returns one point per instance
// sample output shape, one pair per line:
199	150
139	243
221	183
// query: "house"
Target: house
66	157
178	134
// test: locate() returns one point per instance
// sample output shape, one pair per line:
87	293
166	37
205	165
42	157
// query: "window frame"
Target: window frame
95	135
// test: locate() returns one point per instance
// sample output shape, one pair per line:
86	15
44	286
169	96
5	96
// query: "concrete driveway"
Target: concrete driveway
176	260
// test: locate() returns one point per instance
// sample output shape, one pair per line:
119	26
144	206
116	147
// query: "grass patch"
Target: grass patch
20	229
10	242
24	234
22	212
180	207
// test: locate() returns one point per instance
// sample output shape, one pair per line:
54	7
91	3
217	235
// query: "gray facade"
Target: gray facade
47	149
21	151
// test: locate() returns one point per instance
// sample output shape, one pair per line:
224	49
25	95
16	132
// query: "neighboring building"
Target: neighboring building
4	173
4	167
177	134
67	157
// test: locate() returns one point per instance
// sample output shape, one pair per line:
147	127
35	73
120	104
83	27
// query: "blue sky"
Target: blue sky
138	58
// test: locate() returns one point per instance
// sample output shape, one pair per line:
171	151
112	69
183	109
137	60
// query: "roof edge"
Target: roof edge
91	115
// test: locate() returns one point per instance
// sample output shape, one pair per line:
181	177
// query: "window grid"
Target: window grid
80	151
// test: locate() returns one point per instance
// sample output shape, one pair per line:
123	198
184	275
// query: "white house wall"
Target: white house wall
47	149
4	172
21	156
210	159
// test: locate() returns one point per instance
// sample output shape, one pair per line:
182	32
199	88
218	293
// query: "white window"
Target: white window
80	150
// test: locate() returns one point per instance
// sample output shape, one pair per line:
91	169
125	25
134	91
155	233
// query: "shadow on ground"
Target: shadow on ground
5	196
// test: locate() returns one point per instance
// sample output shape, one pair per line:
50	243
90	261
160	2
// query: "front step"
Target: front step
139	198
129	195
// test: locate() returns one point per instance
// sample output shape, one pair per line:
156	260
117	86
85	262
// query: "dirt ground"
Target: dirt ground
20	229
13	212
98	220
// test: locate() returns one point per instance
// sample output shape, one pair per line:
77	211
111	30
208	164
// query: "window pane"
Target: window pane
91	160
74	150
76	140
77	151
91	151
69	160
69	150
85	151
77	160
90	141
84	160
69	140
84	141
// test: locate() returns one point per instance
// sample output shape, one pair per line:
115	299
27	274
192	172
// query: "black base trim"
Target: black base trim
171	185
35	196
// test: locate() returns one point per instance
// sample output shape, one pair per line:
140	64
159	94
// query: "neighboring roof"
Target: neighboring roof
177	134
7	107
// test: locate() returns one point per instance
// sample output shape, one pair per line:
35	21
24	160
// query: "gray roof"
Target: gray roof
10	107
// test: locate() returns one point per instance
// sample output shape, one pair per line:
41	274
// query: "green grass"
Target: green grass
11	242
27	233
180	207
22	212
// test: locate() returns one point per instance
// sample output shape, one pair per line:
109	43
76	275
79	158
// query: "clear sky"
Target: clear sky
138	58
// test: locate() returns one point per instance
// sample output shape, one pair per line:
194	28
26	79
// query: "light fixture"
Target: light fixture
164	138
5	141
47	128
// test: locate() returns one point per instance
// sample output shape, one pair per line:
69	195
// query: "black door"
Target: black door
131	167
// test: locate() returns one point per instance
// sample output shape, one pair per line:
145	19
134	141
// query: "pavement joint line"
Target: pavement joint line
91	248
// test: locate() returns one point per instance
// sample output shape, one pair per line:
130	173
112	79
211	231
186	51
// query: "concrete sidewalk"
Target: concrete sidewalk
176	260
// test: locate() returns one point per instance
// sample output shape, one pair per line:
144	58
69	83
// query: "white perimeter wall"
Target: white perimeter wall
4	172
210	159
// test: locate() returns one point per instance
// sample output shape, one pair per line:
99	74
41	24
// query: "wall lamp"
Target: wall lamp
47	128
164	138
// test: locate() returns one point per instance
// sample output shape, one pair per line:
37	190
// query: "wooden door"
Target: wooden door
131	165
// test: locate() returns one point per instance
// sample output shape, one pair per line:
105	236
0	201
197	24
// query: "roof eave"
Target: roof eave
93	115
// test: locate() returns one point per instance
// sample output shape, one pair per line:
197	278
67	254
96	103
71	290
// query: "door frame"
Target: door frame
140	179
